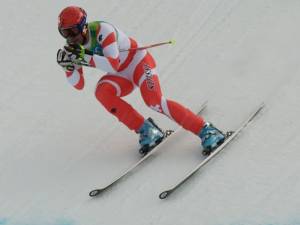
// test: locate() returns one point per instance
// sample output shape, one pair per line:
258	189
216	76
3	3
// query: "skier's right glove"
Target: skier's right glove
77	53
64	60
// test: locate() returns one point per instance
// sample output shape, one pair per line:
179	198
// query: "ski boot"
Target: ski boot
150	136
211	138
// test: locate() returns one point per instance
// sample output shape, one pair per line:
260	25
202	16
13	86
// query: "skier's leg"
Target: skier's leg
109	91
147	79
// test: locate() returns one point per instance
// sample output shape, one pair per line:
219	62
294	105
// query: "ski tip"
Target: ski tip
258	110
164	194
262	105
94	193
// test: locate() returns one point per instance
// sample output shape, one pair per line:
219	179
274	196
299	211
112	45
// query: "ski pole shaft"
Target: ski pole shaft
148	46
88	52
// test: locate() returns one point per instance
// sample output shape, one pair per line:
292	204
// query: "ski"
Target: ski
232	135
98	191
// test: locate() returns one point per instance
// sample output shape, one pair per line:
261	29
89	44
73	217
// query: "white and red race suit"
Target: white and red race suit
127	70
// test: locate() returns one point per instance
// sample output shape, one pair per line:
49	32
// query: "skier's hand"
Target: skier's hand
75	52
64	60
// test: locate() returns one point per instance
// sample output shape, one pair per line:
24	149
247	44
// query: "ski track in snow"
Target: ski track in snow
58	143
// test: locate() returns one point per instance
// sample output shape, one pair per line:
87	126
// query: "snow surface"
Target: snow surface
58	143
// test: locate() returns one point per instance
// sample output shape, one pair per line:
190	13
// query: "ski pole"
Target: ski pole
89	52
149	46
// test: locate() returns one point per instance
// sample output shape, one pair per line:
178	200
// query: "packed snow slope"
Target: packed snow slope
58	143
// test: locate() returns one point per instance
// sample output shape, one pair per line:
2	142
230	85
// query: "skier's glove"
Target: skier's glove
64	60
76	53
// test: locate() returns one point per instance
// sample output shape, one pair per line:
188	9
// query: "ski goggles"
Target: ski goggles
72	31
69	32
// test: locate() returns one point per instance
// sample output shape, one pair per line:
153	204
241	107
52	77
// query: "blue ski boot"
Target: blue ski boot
211	138
150	136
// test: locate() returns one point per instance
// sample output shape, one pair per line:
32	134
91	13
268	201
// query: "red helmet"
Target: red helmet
71	21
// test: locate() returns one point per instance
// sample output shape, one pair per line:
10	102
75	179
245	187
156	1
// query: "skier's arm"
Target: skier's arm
109	62
74	73
75	77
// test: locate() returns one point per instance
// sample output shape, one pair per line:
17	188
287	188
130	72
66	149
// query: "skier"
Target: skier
97	44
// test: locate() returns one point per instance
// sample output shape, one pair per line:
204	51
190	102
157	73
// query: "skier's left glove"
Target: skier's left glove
64	61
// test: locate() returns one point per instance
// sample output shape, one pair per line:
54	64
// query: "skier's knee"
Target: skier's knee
108	101
104	91
105	94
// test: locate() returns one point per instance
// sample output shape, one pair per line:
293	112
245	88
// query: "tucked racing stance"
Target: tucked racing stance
98	44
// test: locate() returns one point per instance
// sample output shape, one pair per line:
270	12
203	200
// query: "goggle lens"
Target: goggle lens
69	32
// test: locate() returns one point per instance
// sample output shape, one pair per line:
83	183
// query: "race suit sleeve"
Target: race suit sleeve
75	77
110	61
